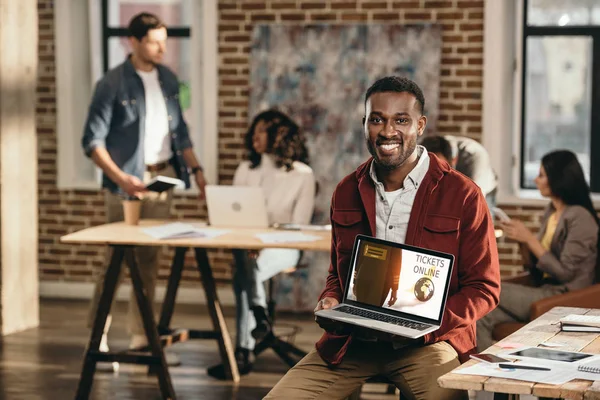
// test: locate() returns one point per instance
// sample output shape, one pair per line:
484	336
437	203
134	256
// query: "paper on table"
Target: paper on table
509	345
556	376
179	230
551	344
286	237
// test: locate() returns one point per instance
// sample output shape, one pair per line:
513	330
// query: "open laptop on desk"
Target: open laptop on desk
394	288
236	206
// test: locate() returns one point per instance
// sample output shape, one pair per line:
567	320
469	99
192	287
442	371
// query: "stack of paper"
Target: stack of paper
286	237
580	323
179	230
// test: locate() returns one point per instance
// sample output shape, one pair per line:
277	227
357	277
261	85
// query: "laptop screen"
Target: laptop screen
400	278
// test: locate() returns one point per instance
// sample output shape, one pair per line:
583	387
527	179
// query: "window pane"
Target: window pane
177	58
172	12
563	12
558	85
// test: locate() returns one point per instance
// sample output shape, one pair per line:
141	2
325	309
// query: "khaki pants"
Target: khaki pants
154	205
413	370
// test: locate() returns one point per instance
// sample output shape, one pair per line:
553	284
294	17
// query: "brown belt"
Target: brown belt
157	167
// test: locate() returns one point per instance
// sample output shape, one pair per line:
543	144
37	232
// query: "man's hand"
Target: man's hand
200	182
393	298
132	185
326	303
327	324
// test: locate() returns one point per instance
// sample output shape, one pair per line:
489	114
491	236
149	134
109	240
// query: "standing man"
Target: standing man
405	195
468	157
135	131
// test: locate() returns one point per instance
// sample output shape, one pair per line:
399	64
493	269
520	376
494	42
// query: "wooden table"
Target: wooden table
123	238
543	329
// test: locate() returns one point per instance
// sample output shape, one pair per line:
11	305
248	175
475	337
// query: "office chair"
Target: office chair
287	351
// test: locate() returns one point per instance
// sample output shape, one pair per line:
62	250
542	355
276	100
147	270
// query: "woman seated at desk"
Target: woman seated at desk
277	162
562	257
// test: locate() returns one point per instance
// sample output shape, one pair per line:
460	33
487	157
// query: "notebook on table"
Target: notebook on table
394	288
580	323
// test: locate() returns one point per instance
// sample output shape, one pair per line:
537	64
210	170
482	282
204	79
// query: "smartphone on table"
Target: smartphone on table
489	358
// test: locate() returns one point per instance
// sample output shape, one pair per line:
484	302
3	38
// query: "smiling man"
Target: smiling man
406	195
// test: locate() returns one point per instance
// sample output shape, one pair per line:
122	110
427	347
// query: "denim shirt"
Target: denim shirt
116	121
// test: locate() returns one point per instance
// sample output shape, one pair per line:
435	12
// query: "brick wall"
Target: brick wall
460	111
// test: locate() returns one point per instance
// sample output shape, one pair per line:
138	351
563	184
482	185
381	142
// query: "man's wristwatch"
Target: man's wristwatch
196	169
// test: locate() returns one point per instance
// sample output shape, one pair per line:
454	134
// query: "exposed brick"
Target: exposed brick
262	17
286	5
371	5
438	4
406	4
470	4
293	17
422	15
354	17
388	16
254	5
323	17
344	5
313	6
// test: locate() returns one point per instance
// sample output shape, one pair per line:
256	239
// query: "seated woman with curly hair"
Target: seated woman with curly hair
562	256
278	163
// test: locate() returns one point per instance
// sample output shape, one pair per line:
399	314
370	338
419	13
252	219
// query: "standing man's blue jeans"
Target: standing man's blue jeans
248	285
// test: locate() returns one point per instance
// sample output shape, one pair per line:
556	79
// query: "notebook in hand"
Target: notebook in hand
161	183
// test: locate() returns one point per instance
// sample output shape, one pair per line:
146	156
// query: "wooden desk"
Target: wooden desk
123	238
542	329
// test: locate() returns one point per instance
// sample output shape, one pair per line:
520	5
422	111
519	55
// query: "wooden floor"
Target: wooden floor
44	363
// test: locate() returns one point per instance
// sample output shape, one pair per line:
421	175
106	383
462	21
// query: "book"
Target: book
578	328
581	320
161	183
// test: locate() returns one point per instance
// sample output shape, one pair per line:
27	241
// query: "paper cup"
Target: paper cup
131	211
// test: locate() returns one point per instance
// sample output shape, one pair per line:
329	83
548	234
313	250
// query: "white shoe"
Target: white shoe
137	341
106	366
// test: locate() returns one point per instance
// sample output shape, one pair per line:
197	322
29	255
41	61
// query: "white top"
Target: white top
157	143
391	196
392	209
290	195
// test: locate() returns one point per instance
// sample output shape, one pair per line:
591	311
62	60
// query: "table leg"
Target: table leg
174	278
216	314
164	379
108	292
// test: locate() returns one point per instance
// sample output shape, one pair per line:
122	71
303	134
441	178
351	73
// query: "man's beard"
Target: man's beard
391	163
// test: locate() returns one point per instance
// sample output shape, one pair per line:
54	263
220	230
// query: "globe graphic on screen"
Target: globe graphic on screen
424	289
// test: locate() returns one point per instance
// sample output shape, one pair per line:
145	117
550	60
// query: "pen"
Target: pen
519	366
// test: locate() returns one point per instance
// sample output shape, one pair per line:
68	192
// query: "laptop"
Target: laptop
236	206
394	288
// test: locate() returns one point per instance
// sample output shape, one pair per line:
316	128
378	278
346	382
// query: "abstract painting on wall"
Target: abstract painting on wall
318	75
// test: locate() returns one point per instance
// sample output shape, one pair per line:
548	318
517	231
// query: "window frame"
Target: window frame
592	31
83	61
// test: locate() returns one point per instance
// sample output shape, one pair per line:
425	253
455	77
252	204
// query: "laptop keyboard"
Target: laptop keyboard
383	318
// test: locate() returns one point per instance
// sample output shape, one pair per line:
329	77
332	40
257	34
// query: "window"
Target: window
84	52
560	84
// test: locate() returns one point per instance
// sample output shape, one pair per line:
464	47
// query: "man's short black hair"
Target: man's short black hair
397	84
439	145
141	23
